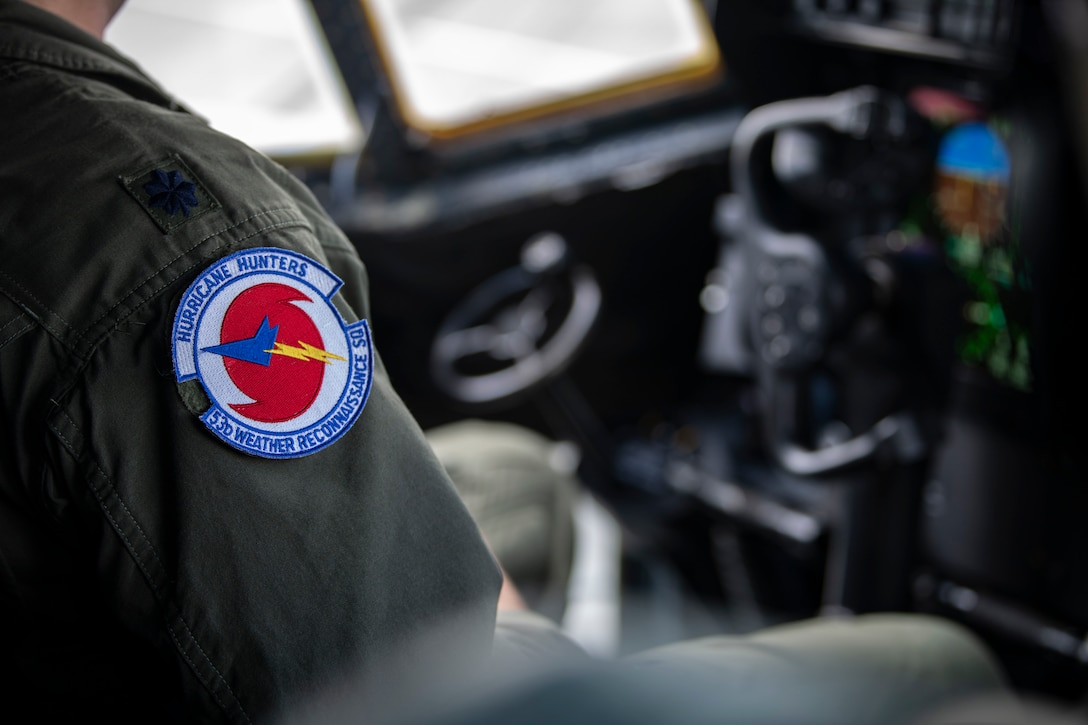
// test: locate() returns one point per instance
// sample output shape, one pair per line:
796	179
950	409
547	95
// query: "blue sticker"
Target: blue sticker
285	374
974	150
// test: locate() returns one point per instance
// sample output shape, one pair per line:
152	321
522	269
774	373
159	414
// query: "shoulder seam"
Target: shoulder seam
84	342
154	571
292	222
23	291
15	52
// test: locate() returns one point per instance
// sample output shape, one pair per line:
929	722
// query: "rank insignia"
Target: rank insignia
170	193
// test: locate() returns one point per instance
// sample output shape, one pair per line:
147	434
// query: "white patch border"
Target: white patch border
289	439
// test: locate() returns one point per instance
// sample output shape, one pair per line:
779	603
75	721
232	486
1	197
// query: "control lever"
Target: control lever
897	431
800	293
794	297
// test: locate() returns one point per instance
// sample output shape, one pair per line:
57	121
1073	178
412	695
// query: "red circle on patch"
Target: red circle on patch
287	386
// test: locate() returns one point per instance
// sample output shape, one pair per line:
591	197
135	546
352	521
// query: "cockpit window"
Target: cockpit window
259	70
461	65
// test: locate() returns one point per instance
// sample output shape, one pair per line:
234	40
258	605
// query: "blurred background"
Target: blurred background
788	288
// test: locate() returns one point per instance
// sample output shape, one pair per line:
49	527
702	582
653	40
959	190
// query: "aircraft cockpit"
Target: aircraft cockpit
795	282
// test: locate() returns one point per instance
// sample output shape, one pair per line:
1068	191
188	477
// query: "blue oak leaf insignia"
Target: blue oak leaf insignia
171	192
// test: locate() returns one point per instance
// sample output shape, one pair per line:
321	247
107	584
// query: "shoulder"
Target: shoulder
108	200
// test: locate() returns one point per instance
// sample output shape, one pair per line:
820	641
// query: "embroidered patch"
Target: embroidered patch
286	376
170	193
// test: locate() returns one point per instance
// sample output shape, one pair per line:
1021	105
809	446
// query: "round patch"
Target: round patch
285	374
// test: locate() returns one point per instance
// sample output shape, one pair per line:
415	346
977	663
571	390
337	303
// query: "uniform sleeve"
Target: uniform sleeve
263	579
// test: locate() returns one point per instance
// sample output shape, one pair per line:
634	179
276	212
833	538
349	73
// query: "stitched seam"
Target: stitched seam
16	334
21	52
163	599
41	304
119	320
123	300
193	665
163	286
154	587
185	655
119	500
12	321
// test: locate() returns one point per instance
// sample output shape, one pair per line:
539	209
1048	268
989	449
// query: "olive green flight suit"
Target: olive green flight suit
148	571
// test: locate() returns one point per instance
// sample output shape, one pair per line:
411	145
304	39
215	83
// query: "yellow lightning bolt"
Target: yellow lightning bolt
306	352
